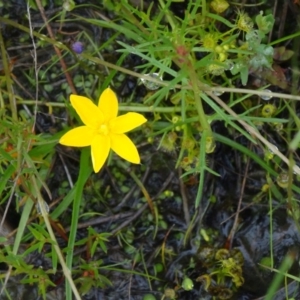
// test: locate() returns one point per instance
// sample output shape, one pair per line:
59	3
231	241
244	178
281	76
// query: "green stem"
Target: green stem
204	8
169	16
202	117
6	68
84	173
122	107
66	270
134	20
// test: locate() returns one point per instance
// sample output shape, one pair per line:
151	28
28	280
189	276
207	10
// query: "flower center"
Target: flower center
103	129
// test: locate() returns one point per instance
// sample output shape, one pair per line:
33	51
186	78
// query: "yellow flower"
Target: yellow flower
103	129
244	22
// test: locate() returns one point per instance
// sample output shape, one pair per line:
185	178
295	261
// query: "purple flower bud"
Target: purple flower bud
77	47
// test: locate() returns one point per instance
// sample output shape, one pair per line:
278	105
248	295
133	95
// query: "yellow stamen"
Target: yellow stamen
103	129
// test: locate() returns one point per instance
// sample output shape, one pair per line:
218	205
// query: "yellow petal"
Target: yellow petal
125	148
81	136
88	112
126	122
108	104
100	150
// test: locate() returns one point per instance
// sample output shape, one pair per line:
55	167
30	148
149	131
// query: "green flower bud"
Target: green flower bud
210	145
149	297
187	284
283	180
219	6
169	293
268	110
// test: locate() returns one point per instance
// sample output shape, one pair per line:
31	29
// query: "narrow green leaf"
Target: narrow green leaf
84	172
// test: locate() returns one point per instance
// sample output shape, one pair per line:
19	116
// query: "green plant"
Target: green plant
170	46
192	66
224	271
